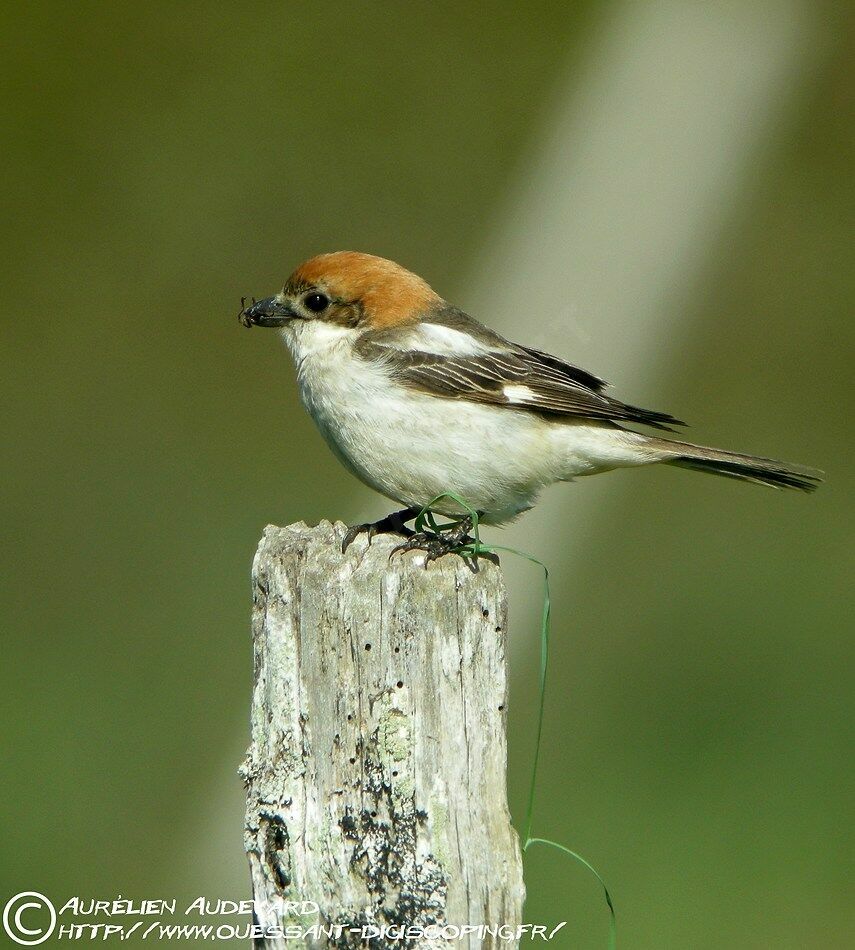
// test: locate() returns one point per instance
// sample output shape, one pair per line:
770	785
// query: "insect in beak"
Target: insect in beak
242	316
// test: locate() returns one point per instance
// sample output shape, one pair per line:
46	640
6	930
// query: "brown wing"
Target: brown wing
512	376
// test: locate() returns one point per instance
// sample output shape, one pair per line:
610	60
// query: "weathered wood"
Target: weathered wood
376	773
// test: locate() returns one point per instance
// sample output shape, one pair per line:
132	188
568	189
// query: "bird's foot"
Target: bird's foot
391	524
455	541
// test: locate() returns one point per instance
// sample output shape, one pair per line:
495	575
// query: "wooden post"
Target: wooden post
376	772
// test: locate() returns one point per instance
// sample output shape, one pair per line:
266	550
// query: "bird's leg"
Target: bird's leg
436	545
391	524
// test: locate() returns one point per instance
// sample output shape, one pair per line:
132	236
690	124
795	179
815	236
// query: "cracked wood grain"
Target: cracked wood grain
376	771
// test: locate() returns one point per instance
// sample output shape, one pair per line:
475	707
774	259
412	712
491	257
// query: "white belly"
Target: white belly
414	448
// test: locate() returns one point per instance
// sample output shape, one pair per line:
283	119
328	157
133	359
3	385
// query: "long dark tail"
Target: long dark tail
748	468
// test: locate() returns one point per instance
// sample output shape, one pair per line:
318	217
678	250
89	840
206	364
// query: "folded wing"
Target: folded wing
479	366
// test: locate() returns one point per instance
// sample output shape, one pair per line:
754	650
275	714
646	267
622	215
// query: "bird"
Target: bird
422	402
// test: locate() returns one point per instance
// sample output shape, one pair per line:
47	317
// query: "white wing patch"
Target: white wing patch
444	341
518	394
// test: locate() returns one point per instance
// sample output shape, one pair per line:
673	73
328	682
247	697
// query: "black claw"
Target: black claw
436	546
353	533
391	524
422	541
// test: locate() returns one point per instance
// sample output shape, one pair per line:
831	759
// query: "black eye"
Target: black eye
316	302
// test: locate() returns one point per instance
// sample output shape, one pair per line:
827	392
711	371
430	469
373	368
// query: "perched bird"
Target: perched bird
418	399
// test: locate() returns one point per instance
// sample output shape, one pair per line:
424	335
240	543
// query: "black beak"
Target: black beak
265	313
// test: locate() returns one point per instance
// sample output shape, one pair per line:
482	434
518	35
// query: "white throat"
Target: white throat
312	338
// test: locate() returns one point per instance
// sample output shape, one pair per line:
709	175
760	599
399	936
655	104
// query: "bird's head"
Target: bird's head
347	289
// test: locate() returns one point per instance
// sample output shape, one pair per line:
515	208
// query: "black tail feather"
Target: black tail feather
748	468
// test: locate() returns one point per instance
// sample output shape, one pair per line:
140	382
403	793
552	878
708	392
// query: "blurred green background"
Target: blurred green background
662	192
